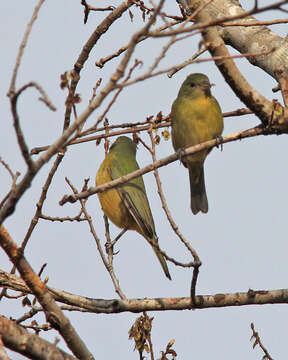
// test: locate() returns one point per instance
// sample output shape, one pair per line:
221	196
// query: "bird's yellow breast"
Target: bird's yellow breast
195	121
111	202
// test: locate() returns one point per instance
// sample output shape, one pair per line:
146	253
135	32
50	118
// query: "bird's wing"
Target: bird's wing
135	199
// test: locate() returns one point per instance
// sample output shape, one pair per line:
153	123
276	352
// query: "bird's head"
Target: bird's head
196	85
124	144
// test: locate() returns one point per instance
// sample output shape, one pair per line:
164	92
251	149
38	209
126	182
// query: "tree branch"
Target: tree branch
256	102
18	339
103	306
256	131
53	314
252	38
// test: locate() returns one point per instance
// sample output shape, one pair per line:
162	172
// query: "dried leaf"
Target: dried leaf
146	348
26	302
166	134
140	332
45	327
131	15
157	140
64	83
150	119
135	138
77	99
172	352
159	117
171	343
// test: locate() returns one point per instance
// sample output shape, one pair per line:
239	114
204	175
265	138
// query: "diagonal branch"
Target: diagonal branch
22	47
197	261
243	39
256	131
18	339
53	314
256	102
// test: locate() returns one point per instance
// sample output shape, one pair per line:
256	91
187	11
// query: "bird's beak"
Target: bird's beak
208	84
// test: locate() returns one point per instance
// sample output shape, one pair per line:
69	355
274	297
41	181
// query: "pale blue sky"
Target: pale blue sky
241	241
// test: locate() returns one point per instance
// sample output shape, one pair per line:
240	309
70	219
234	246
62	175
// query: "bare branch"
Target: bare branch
102	306
100	63
132	129
62	219
3	354
223	56
88	8
18	339
187	62
256	131
22	47
249	39
45	99
256	23
197	261
53	314
14	180
261	106
107	264
39	207
258	341
283	83
204	24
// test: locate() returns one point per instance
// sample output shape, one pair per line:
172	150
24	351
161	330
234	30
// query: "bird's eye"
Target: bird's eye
192	84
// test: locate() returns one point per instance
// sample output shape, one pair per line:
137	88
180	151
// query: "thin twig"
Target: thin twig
197	261
106	263
14	180
114	241
214	22
22	47
258	341
63	219
260	105
133	67
45	99
132	128
100	63
256	23
195	61
187	62
88	8
39	207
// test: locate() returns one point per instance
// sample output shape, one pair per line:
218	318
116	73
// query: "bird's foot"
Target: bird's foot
180	153
219	142
110	245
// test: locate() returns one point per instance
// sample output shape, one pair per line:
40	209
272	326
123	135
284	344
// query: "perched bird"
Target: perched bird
196	117
127	205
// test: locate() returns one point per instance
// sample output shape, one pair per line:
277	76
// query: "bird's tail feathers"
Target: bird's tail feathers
163	262
199	200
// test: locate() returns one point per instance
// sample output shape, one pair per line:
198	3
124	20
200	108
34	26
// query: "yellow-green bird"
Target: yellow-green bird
196	117
127	206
